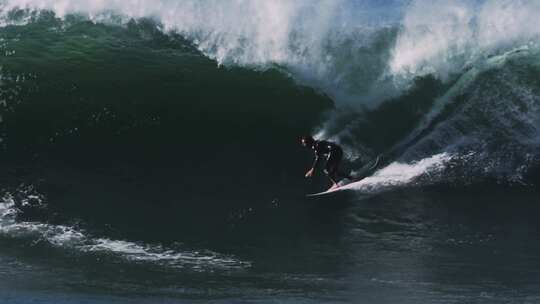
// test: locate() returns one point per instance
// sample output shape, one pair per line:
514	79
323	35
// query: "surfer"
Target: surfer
325	149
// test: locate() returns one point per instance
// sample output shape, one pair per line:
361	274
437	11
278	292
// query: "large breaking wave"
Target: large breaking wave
448	90
363	54
344	47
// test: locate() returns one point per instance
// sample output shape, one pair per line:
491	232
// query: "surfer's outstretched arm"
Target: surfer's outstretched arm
315	163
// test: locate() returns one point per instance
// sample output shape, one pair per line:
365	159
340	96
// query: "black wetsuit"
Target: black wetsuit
333	154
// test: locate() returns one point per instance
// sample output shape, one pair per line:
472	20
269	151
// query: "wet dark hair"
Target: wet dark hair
307	138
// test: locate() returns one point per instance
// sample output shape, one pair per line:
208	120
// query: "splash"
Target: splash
443	38
399	174
350	50
338	46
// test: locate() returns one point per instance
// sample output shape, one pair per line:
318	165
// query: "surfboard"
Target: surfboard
364	172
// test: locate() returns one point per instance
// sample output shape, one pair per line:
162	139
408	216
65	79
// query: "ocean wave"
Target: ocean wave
482	97
354	51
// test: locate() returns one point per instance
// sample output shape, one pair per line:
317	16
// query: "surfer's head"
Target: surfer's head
307	141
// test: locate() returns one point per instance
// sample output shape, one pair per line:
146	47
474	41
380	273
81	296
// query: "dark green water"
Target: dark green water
407	247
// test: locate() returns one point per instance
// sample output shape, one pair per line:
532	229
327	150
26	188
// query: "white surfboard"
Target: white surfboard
366	171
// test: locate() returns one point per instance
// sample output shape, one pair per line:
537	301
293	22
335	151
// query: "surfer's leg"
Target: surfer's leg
331	176
331	168
334	182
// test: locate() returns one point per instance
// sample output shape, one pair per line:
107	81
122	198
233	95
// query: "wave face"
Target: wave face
191	106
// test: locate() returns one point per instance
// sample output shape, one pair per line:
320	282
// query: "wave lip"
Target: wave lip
312	40
443	38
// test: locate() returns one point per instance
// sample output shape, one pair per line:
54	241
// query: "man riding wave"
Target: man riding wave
329	151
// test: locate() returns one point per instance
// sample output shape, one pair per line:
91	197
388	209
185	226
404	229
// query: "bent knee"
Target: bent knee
330	171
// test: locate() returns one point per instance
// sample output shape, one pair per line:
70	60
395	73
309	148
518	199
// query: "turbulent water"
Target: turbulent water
149	151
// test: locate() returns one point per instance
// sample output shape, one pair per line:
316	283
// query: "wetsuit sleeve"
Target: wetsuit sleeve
316	161
318	155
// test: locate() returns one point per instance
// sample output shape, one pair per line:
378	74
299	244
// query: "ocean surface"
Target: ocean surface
149	151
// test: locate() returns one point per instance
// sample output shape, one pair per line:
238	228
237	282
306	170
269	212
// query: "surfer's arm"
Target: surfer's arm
315	163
